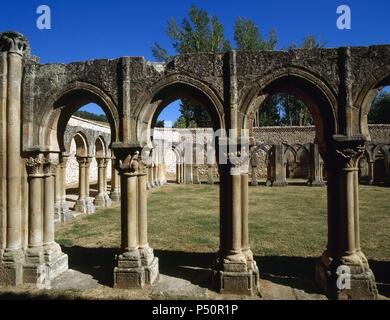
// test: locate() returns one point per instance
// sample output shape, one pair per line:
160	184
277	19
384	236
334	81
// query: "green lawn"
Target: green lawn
288	221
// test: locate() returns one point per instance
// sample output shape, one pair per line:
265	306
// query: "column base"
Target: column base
85	206
11	268
316	183
115	196
107	200
279	184
99	201
34	268
136	269
210	182
239	277
150	264
347	278
62	212
56	261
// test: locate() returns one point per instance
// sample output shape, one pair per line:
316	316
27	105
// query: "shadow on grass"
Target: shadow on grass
295	272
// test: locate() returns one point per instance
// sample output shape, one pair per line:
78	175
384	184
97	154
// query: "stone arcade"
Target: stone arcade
36	102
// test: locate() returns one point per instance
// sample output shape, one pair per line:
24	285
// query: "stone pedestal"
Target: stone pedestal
236	271
343	271
11	269
136	265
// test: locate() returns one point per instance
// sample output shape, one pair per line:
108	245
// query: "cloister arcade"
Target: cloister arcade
37	101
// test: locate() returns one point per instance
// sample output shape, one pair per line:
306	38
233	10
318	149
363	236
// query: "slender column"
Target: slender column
100	200
33	268
238	273
150	176
15	47
136	265
343	254
315	179
196	174
56	262
210	174
107	198
81	203
253	164
371	172
90	207
178	173
115	182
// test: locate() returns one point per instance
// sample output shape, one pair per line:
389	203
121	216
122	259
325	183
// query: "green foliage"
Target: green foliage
197	33
159	124
270	113
295	112
192	116
91	116
247	36
380	109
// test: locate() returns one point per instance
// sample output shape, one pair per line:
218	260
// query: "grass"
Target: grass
288	221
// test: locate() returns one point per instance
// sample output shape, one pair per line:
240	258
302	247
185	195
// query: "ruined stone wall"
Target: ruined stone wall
290	135
72	166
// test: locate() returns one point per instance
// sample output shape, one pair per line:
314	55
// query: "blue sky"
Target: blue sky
83	30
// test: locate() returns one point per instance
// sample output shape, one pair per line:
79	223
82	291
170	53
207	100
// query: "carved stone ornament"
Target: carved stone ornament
14	42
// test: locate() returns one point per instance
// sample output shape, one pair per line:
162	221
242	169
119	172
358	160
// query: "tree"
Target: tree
247	36
293	111
159	124
380	109
91	116
199	33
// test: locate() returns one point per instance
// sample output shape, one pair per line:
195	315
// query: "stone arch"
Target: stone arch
317	95
379	79
168	90
100	147
82	146
62	104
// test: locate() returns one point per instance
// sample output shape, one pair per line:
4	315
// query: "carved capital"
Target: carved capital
132	164
348	157
35	165
14	42
239	162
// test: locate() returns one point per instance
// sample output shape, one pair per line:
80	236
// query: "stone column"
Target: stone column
196	179
150	184
154	175
56	261
34	270
278	167
253	164
81	203
371	172
343	254
89	201
61	209
178	173
164	173
237	271
188	177
136	265
15	46
115	183
210	174
100	199
107	198
315	179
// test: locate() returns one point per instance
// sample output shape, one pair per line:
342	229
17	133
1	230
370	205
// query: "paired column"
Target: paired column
343	271
237	270
196	179
13	48
316	167
210	174
136	265
62	212
277	172
102	199
44	259
115	182
84	203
